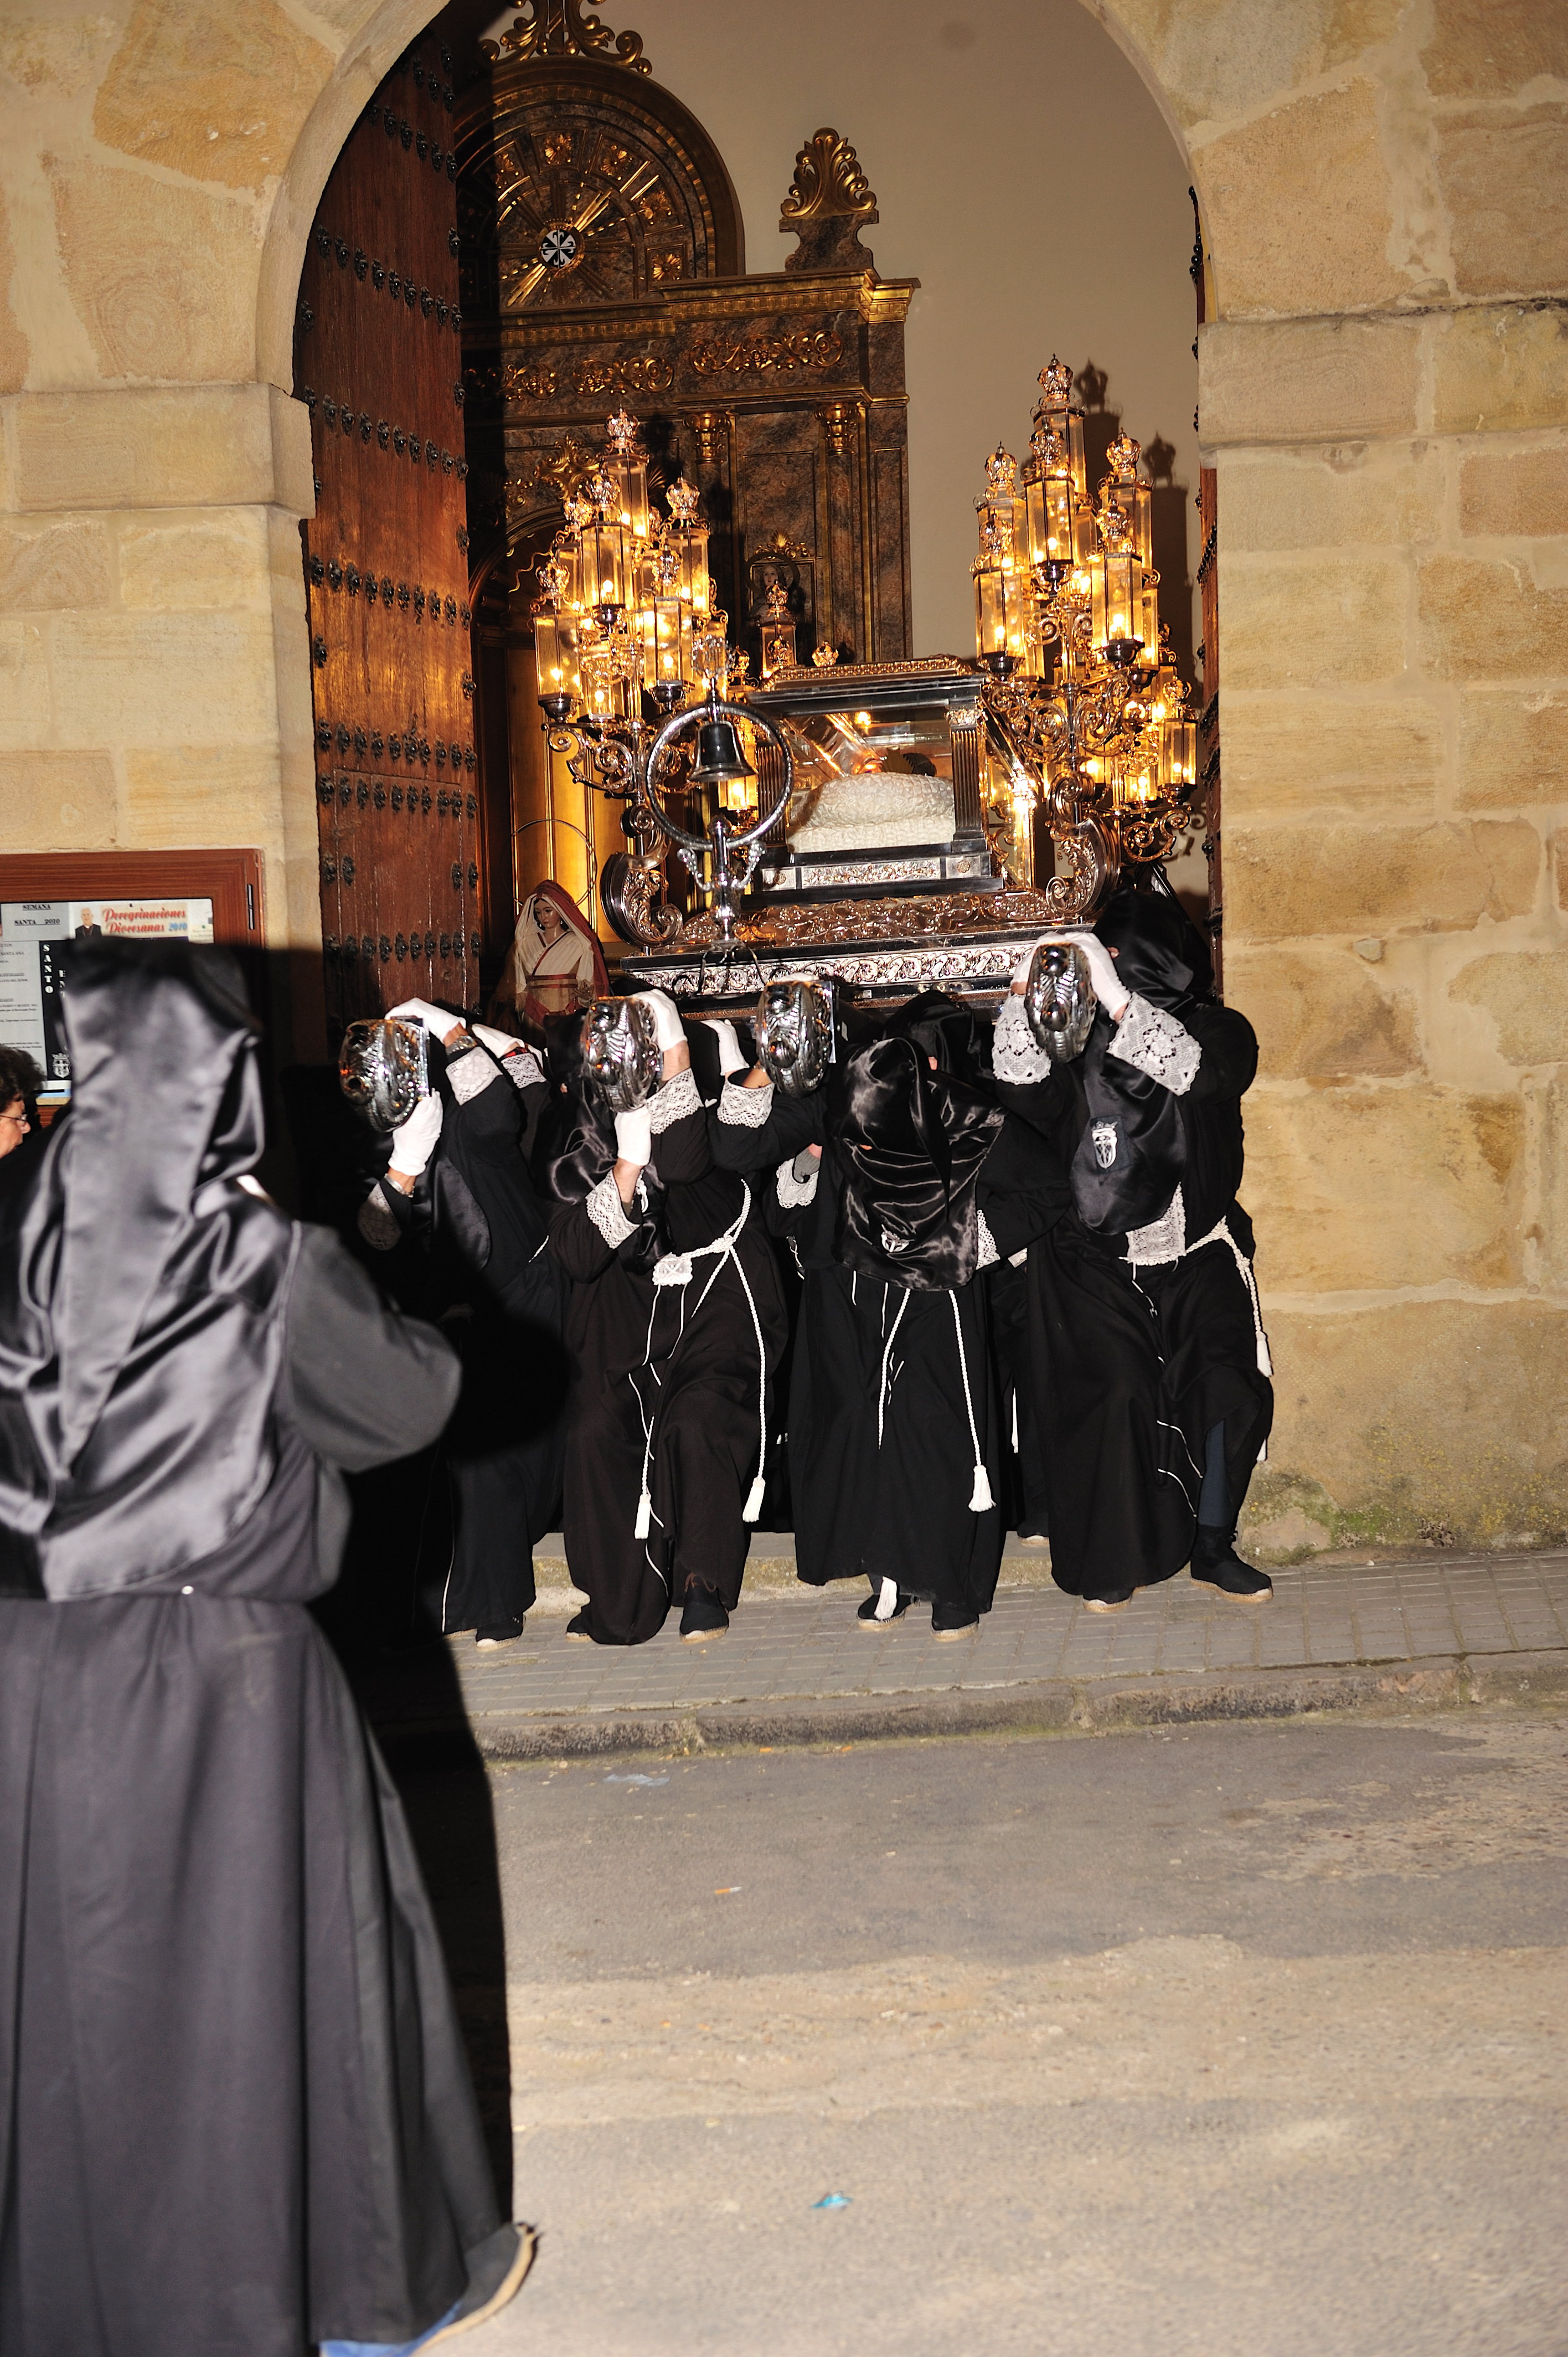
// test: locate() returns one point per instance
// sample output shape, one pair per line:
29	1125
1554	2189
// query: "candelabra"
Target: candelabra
624	621
1081	694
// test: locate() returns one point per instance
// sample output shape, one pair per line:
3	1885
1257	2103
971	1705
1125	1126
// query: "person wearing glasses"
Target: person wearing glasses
19	1083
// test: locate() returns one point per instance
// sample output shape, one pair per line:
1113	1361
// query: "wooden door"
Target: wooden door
377	359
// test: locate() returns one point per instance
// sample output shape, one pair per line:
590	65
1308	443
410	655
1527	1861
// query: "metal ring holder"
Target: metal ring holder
728	881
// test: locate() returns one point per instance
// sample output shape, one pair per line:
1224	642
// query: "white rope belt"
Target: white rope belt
981	1499
678	1269
1222	1235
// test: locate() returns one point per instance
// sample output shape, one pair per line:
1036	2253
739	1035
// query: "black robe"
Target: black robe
882	1451
474	1212
1133	1365
235	2115
668	1389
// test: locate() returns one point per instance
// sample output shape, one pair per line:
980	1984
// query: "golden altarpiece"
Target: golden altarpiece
603	267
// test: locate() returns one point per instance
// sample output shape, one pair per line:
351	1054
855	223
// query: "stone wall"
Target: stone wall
1384	393
1384	390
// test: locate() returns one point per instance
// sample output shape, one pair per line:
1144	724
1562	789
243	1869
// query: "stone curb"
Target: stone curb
1051	1706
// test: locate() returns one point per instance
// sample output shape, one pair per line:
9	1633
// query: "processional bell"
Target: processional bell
720	760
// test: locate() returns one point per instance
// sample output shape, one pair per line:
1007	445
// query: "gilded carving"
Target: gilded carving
828	184
556	473
558	28
731	353
649	373
825	923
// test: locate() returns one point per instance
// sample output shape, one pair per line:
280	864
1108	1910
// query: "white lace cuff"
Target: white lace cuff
523	1069
467	1075
674	1102
377	1223
743	1108
608	1212
1156	1043
793	1191
1164	1239
1016	1054
989	1255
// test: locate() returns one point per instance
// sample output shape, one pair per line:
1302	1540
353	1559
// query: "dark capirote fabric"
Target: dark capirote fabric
914	1142
664	1370
235	2115
862	1504
1159	952
1209	1117
140	1286
1026	1505
1131	1369
504	1443
894	1506
1161	955
944	1028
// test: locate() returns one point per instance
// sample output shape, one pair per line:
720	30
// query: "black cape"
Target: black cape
1133	1366
235	2115
475	1213
893	1392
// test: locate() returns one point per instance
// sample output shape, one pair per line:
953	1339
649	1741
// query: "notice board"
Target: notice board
48	900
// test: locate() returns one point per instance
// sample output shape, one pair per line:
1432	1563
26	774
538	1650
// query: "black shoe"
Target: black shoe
1116	1601
868	1616
703	1616
1216	1564
499	1632
951	1621
578	1631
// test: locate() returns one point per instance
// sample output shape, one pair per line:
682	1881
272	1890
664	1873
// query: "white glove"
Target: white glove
634	1130
730	1057
1108	987
516	1058
666	1028
439	1021
413	1140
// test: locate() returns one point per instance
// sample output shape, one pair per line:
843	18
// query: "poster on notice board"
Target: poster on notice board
33	933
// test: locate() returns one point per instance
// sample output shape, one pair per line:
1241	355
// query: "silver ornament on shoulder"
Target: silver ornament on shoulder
621	1053
1059	1000
794	1029
384	1070
1103	1135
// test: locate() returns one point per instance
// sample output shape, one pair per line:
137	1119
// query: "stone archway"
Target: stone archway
1384	394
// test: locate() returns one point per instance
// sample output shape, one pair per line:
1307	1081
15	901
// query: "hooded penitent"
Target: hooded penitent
1130	1159
234	2111
915	1142
138	1337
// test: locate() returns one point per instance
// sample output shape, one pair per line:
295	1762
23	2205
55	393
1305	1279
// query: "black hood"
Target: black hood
1160	954
138	1281
913	1142
942	1027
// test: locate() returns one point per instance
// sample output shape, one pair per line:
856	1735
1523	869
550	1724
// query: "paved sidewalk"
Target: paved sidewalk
797	1666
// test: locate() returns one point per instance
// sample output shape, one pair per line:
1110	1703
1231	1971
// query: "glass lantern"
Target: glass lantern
1116	588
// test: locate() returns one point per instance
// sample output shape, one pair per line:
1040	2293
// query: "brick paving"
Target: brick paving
785	1647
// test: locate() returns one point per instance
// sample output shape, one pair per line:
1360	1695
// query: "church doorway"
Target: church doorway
523	233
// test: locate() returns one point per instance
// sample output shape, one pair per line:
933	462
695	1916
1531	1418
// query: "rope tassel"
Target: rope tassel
755	1495
644	1521
980	1498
